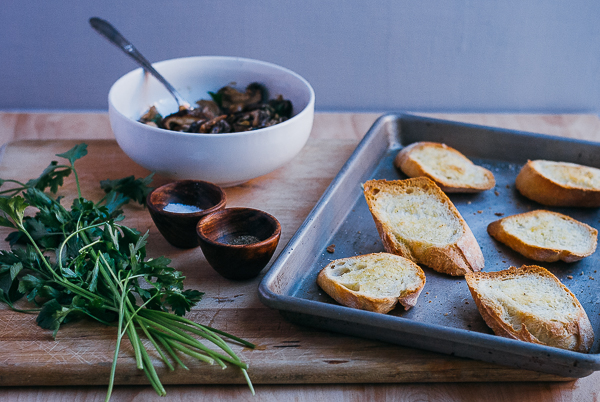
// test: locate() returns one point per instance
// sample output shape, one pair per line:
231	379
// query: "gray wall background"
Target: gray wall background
380	55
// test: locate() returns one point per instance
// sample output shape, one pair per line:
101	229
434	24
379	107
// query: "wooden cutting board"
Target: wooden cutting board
286	353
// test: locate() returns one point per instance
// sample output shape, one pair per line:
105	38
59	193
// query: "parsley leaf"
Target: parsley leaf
77	152
130	187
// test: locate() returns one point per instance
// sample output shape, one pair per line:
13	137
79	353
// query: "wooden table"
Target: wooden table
445	379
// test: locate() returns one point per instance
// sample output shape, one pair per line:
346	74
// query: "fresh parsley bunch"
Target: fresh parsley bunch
80	262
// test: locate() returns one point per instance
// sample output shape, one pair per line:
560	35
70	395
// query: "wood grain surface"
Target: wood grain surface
292	362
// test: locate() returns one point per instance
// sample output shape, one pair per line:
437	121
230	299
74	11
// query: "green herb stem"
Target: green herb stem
157	347
192	353
195	324
150	369
172	352
179	335
157	388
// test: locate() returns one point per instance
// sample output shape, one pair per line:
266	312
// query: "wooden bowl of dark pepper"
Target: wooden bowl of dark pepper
238	242
177	207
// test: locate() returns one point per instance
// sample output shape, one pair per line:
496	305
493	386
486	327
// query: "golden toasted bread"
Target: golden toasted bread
416	220
532	305
546	236
560	183
374	282
446	166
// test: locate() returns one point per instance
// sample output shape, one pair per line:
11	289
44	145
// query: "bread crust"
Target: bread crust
360	300
576	335
457	258
534	185
498	231
412	167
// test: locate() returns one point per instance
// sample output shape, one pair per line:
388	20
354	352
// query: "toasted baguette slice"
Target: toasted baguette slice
416	220
560	184
532	305
374	282
449	168
545	236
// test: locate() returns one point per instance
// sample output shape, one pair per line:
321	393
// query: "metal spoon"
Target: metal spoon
109	32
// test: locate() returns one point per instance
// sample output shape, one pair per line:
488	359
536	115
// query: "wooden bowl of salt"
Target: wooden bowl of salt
177	207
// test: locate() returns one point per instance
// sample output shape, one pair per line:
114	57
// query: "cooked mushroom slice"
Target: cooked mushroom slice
151	117
209	109
259	94
221	127
265	116
179	121
282	107
215	126
260	118
186	120
234	101
241	126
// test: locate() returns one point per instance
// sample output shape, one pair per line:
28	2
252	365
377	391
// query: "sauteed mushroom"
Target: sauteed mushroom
228	111
234	101
181	121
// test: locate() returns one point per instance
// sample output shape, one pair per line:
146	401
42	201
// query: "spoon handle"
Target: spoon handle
109	32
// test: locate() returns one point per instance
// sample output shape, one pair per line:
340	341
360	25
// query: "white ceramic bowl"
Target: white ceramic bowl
223	159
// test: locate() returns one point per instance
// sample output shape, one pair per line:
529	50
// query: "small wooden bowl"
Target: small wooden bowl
238	242
177	207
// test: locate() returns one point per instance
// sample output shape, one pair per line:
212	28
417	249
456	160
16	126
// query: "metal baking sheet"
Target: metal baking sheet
445	318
